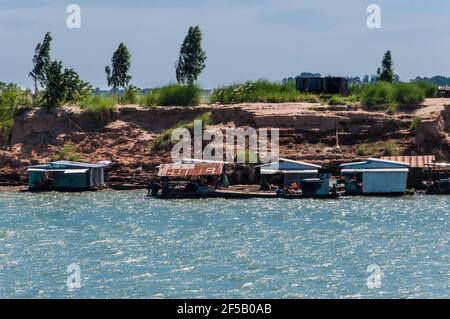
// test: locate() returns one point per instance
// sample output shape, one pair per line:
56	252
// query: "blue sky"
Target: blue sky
243	39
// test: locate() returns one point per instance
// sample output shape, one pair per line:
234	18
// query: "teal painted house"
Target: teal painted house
292	171
375	176
66	175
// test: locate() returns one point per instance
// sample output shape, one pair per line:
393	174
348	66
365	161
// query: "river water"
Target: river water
128	246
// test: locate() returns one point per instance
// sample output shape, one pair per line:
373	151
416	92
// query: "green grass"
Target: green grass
342	100
261	91
98	104
391	108
390	96
415	123
68	153
388	148
164	140
173	95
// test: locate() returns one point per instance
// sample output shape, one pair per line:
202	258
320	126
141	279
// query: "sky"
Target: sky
243	39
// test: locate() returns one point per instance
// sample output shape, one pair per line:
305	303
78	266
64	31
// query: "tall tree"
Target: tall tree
117	74
387	69
41	61
54	85
63	86
191	61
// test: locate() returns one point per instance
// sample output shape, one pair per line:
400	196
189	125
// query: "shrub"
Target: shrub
390	149
429	89
173	95
130	96
11	97
98	104
365	150
68	153
408	94
415	123
337	100
261	91
378	95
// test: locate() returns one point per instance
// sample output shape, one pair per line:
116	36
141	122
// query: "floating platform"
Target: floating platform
242	195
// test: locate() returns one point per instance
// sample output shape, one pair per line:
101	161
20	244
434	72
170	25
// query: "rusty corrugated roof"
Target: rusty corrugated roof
420	161
190	170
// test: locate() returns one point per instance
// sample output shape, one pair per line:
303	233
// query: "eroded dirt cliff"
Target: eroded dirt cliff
307	132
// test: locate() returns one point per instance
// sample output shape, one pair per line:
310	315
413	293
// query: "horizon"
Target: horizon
259	39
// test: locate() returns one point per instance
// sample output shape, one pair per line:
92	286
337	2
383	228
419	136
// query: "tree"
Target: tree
366	79
387	71
75	88
191	61
63	86
54	85
41	60
117	74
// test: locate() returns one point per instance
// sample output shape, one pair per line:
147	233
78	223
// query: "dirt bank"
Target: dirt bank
307	132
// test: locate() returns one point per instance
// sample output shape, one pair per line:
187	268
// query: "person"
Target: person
265	186
153	189
294	186
280	192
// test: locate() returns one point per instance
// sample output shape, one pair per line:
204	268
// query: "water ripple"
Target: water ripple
128	246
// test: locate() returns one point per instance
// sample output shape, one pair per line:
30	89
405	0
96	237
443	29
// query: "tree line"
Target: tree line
55	85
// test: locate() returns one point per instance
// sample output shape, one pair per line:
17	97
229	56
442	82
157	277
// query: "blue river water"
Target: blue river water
127	246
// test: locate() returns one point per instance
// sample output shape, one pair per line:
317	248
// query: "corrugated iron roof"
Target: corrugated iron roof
190	170
420	161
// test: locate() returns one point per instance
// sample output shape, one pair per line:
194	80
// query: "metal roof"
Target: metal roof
376	170
63	164
79	164
420	161
190	170
374	162
285	160
268	171
199	161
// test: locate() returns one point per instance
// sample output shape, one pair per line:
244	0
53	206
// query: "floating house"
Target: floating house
439	179
291	171
184	180
316	187
418	168
66	175
318	85
375	176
